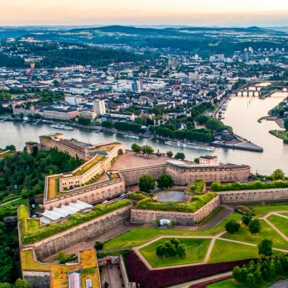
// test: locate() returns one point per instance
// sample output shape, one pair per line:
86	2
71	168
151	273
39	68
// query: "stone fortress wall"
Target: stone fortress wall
131	176
99	168
48	143
246	196
90	194
79	233
224	173
139	216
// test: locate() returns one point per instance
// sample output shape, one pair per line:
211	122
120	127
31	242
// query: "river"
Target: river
242	114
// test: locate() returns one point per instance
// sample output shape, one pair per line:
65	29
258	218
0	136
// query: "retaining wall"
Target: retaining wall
82	232
140	216
276	194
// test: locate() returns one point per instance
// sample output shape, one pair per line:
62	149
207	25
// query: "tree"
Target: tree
165	181
265	247
181	250
254	226
278	174
146	183
107	124
286	124
272	270
232	226
180	156
160	250
147	149
169	154
250	280
236	273
84	121
155	223
20	283
98	245
136	148
246	218
63	258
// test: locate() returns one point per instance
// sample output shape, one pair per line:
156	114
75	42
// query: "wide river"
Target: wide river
242	114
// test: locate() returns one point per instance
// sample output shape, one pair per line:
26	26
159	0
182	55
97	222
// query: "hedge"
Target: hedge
195	188
54	228
139	273
193	205
216	186
135	196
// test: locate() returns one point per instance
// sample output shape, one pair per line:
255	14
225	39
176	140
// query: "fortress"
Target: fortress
109	170
99	178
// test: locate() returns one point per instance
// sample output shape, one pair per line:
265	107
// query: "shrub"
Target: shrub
232	226
196	188
216	186
98	245
135	196
246	219
195	204
254	226
265	247
63	258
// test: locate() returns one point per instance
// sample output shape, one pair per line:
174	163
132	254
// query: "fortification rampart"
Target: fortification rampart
183	175
131	176
82	232
140	216
88	194
242	196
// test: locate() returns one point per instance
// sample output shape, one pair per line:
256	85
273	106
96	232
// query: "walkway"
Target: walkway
188	284
211	246
10	201
226	211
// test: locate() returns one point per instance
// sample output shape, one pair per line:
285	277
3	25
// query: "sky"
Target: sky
145	12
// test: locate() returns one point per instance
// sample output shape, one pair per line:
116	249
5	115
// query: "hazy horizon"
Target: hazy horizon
223	13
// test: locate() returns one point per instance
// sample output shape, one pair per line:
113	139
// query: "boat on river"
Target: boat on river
132	137
190	146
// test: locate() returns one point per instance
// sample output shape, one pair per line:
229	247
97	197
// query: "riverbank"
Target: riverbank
241	144
282	134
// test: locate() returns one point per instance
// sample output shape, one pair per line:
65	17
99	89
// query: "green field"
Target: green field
280	223
140	236
196	252
224	251
266	232
262	210
230	283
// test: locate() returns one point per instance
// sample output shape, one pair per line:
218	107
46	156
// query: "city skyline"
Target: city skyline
126	12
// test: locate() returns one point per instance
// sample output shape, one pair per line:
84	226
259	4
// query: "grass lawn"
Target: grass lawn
266	232
139	236
231	283
33	224
262	210
224	251
280	223
196	252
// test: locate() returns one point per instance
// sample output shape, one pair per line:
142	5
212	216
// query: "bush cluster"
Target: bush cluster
171	247
254	274
191	206
216	186
195	188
